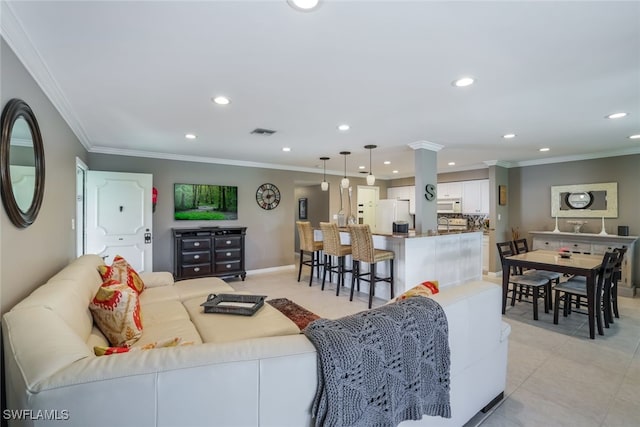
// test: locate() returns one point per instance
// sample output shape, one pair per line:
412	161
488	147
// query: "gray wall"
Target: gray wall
270	240
28	257
317	207
530	195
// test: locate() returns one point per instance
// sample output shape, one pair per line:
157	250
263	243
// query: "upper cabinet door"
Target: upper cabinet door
475	197
449	190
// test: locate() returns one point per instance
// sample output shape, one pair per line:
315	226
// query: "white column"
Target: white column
426	170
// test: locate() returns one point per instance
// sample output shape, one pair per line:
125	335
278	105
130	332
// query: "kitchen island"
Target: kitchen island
450	258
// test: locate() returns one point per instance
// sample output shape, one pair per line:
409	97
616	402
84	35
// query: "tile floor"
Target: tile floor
556	375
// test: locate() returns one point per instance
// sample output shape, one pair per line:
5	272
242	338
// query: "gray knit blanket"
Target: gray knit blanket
382	366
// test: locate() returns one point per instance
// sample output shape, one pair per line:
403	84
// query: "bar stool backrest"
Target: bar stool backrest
305	231
330	238
362	243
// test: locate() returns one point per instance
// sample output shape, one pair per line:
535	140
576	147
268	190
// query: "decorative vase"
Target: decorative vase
603	231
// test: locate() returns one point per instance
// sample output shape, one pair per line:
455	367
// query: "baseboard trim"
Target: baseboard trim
272	269
493	403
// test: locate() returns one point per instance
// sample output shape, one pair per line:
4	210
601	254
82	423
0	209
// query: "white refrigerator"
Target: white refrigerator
390	210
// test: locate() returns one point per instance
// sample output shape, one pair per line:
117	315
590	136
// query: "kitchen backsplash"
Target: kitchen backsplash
474	222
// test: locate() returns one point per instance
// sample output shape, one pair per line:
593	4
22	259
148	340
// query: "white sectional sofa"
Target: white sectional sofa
240	371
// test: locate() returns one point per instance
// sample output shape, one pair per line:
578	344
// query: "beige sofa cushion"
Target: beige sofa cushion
218	328
185	289
162	331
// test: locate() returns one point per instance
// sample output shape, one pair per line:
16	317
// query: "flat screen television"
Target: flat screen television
205	202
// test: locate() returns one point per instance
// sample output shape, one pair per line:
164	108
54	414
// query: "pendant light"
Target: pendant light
371	179
345	181
324	185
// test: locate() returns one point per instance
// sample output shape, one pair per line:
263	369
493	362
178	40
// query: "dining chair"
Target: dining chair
529	284
310	247
577	287
617	276
521	246
334	248
362	251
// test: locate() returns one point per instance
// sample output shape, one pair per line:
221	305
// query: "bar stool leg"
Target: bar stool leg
324	273
355	273
372	283
392	277
300	268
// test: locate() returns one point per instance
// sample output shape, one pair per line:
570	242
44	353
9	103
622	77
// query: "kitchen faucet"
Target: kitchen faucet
445	220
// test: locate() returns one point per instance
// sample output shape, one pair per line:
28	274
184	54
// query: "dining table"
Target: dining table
574	264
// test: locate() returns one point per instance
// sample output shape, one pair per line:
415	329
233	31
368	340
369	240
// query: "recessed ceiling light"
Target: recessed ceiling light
190	136
221	100
286	149
344	127
616	115
464	81
451	163
637	136
361	167
304	5
544	149
387	162
395	171
509	136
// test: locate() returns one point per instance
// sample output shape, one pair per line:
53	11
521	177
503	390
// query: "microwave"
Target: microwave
449	206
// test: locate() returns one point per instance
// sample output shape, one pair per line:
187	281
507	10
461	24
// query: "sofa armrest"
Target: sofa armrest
156	278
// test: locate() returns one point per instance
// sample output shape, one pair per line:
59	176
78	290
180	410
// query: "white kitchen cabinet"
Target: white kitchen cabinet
450	190
406	192
475	197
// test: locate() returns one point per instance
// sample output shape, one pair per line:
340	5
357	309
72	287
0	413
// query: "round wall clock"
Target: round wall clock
268	196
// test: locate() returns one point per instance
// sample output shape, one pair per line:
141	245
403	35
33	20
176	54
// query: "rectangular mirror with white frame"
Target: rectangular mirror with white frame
585	200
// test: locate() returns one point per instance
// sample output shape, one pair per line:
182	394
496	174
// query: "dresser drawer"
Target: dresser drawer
196	270
227	255
579	248
228	242
196	257
196	243
547	245
227	266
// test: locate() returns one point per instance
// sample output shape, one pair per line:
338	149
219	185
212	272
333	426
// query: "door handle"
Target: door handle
147	238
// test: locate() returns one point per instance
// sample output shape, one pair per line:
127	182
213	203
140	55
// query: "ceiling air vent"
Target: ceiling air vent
261	131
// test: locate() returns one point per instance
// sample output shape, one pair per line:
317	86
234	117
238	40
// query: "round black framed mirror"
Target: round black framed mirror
579	200
22	164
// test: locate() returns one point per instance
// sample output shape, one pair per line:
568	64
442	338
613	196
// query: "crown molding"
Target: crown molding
15	36
500	163
588	156
213	160
432	146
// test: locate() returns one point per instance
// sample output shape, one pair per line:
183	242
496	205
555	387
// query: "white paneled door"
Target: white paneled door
119	217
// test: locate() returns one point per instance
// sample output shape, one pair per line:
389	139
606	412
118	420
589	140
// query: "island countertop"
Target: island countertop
450	258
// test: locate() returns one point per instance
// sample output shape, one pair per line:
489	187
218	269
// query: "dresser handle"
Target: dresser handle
228	265
196	269
196	244
228	242
228	253
196	257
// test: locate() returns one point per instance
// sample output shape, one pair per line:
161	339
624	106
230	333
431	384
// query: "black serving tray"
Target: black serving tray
213	304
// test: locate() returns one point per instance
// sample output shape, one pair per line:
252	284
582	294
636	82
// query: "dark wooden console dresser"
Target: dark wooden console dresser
208	251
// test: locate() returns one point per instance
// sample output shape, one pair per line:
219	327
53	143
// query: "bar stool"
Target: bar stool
309	246
362	250
333	248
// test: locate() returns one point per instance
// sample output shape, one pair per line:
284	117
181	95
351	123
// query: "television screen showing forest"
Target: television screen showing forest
205	202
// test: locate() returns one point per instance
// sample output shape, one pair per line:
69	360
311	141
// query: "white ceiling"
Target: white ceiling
134	77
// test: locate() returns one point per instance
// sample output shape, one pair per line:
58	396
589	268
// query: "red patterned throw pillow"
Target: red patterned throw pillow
424	289
116	312
172	342
121	271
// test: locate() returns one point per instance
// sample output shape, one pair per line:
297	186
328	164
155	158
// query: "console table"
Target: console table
595	244
208	251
